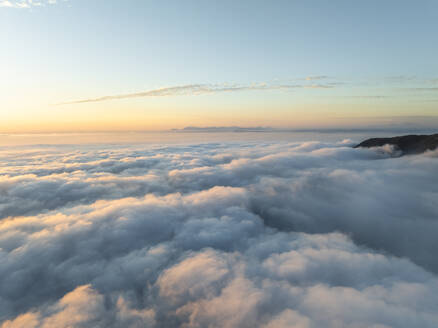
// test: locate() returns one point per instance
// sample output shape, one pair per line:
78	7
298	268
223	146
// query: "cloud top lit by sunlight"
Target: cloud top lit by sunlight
304	234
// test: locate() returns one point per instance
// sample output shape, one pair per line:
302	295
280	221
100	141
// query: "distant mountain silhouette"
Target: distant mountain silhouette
410	144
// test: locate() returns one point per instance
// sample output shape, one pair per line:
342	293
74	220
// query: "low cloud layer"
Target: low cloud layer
218	235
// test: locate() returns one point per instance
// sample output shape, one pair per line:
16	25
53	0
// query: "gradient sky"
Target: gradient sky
101	65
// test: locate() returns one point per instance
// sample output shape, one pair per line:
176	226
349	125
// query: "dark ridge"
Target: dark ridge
410	144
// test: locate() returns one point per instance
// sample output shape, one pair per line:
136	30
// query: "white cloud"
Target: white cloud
200	89
316	77
224	235
26	3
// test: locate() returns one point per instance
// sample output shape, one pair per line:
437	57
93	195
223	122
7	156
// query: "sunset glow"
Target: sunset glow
218	164
112	73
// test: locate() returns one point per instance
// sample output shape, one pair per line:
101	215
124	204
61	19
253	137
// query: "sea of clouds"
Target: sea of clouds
236	234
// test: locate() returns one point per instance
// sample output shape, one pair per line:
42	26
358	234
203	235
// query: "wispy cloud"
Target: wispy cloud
199	89
425	89
400	79
26	3
316	77
369	97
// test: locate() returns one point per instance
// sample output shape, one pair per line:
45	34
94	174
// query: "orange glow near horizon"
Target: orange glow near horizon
294	116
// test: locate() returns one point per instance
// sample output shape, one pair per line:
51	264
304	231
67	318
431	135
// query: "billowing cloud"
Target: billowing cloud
310	234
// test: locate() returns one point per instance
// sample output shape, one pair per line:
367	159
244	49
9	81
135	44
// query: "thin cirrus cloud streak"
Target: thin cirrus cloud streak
425	89
316	77
198	89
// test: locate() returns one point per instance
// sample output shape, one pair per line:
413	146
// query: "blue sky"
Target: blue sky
337	59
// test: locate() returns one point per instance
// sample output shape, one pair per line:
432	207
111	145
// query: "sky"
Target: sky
104	65
143	228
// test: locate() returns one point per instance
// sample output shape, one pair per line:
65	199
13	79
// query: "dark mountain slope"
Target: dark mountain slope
410	144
